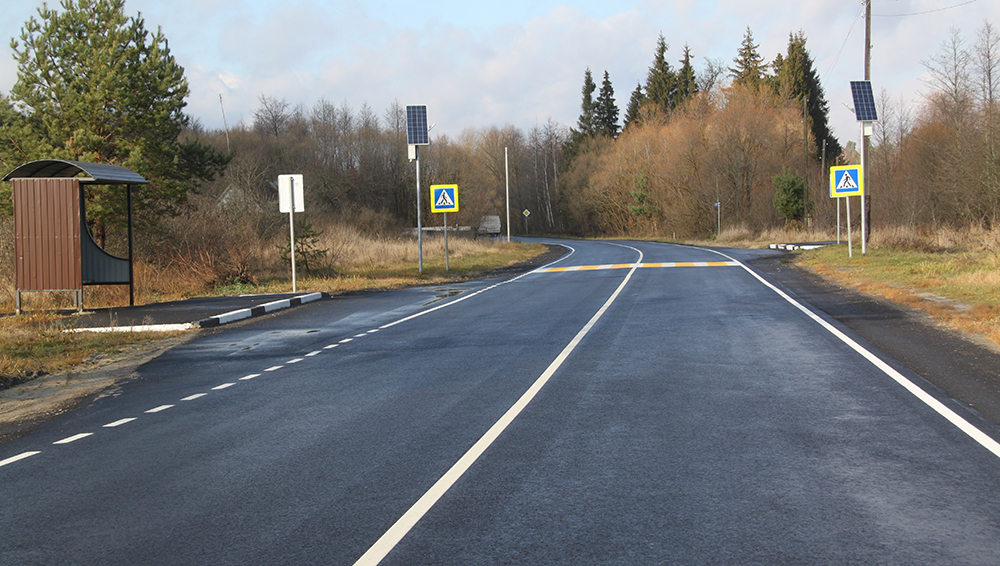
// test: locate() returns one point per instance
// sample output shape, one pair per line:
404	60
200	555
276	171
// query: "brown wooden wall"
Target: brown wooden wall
47	234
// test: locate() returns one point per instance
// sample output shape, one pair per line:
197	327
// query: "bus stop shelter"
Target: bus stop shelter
53	247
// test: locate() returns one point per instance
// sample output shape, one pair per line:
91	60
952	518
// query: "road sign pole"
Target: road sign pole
291	232
420	229
850	249
861	182
446	266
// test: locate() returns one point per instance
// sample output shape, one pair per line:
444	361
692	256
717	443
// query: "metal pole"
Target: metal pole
420	228
506	168
291	230
805	159
131	258
446	266
864	231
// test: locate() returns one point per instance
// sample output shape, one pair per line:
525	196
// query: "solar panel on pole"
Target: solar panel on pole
416	125
864	101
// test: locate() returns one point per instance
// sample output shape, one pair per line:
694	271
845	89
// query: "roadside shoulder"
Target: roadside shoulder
964	369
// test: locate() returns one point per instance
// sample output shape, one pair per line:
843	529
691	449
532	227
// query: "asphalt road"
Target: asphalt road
682	413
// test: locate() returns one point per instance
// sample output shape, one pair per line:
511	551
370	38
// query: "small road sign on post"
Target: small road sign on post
291	200
444	199
847	181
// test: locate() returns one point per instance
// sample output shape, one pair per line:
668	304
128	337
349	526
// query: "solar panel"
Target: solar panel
864	101
416	125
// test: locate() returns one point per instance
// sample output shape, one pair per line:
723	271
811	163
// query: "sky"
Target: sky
518	62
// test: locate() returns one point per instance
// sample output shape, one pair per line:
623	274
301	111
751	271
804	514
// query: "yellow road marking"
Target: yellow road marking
630	265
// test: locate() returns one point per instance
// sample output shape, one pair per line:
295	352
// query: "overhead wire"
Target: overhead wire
924	12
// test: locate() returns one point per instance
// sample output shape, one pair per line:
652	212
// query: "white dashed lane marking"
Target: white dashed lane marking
249	377
73	438
223	386
193	397
119	422
274	368
160	408
18	458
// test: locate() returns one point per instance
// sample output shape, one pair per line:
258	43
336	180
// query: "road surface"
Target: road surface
633	403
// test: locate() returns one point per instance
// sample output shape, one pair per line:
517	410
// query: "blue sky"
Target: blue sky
519	62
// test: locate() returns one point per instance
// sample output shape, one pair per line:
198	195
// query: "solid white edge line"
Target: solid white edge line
965	426
402	526
119	422
19	457
73	438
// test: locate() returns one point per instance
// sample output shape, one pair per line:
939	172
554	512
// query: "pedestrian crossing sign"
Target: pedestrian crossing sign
444	198
846	181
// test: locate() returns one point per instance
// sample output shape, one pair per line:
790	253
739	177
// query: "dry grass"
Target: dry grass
952	275
31	345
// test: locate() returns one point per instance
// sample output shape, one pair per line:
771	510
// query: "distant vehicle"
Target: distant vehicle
489	226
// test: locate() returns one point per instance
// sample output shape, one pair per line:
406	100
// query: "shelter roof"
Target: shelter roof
96	173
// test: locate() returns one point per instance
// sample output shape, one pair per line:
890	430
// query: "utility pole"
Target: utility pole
865	141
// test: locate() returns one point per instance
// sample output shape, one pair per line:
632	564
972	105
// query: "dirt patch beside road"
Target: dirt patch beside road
25	406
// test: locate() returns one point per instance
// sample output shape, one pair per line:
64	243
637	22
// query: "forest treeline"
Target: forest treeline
689	146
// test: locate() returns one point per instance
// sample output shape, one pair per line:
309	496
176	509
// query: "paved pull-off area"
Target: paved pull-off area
600	410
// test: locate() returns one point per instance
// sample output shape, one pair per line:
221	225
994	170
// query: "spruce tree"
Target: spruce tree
661	82
587	123
607	112
687	85
796	79
750	70
635	103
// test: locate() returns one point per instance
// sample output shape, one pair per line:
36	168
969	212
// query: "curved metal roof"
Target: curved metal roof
98	173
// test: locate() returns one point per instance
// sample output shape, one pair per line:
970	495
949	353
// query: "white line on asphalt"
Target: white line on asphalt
362	335
398	530
160	408
119	422
223	386
346	340
979	436
330	346
294	361
19	457
73	438
274	368
248	377
311	354
195	396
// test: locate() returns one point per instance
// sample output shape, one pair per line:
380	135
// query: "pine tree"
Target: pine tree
687	85
750	70
587	123
634	106
795	79
94	85
661	82
607	112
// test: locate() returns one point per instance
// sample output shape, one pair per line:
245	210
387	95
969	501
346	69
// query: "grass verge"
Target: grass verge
959	287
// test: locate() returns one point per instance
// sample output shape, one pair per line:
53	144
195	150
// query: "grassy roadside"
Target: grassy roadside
32	345
958	287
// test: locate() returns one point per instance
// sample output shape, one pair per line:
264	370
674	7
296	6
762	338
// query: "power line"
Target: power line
837	58
924	12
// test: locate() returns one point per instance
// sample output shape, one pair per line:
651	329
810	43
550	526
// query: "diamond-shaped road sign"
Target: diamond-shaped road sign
444	198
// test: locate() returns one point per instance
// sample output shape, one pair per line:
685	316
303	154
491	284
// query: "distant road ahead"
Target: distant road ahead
635	403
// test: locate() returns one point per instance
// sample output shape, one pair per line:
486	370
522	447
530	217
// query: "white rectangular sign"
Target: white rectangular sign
290	186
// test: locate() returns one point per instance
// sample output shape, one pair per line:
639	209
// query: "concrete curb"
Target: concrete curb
233	316
794	247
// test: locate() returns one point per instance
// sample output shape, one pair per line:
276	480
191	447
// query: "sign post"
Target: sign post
846	182
444	199
291	200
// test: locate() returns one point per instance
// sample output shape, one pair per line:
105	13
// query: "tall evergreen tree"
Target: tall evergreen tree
795	78
94	85
587	123
750	69
661	82
635	103
687	85
607	111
